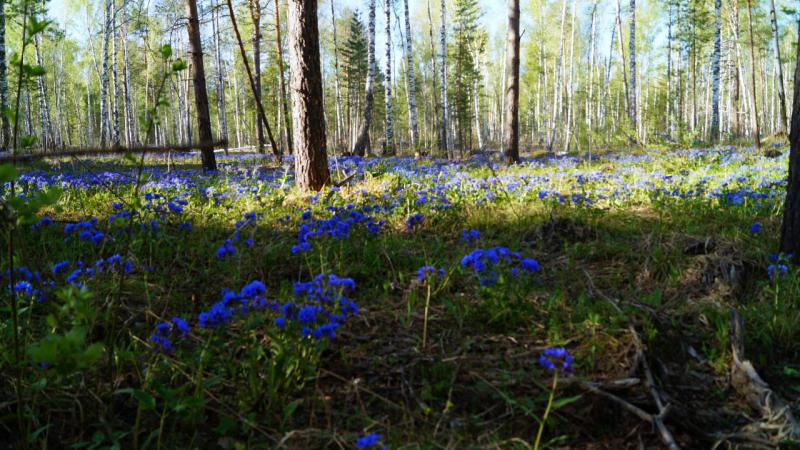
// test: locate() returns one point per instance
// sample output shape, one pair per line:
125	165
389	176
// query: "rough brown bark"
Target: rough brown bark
511	147
790	231
200	94
311	160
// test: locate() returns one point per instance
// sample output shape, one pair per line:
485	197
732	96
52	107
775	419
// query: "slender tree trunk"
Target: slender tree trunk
219	83
443	140
200	94
362	142
670	37
104	129
130	128
753	73
339	121
412	83
632	103
511	147
622	57
790	230
388	145
255	15
735	82
114	76
434	90
590	84
44	107
715	70
779	66
311	161
6	126
557	86
287	119
259	106
570	88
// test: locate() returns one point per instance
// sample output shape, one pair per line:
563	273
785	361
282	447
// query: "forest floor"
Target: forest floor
414	301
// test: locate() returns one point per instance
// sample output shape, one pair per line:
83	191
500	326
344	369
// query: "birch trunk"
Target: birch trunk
632	103
287	118
339	121
412	83
714	129
362	142
388	145
219	83
781	89
443	141
753	74
557	86
6	126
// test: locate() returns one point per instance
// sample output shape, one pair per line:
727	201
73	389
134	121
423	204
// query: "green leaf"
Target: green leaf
166	51
178	65
145	400
562	402
8	173
29	141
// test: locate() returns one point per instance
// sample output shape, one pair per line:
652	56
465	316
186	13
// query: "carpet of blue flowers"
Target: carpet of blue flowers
421	305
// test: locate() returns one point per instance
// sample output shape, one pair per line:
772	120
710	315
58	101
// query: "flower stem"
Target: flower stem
546	410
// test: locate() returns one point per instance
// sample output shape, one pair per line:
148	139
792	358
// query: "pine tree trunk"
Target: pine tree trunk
781	89
511	147
714	129
753	73
311	161
412	83
790	230
388	145
362	142
200	94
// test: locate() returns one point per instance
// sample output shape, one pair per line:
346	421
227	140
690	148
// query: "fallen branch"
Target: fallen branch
116	150
745	379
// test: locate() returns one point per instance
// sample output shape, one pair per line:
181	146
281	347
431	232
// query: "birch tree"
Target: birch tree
511	146
779	67
715	70
412	84
362	142
388	145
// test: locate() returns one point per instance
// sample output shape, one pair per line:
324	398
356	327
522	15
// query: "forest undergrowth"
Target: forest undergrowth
421	304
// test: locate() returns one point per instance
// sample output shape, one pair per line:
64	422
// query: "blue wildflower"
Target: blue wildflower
556	358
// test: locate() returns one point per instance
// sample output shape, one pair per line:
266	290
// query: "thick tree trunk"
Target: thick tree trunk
311	160
362	142
200	94
779	67
511	147
715	71
388	145
753	74
790	231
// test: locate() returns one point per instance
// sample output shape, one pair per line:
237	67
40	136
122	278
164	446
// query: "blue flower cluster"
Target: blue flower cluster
320	306
26	283
486	262
84	272
339	226
249	298
413	221
470	236
556	358
429	273
86	231
162	337
370	440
